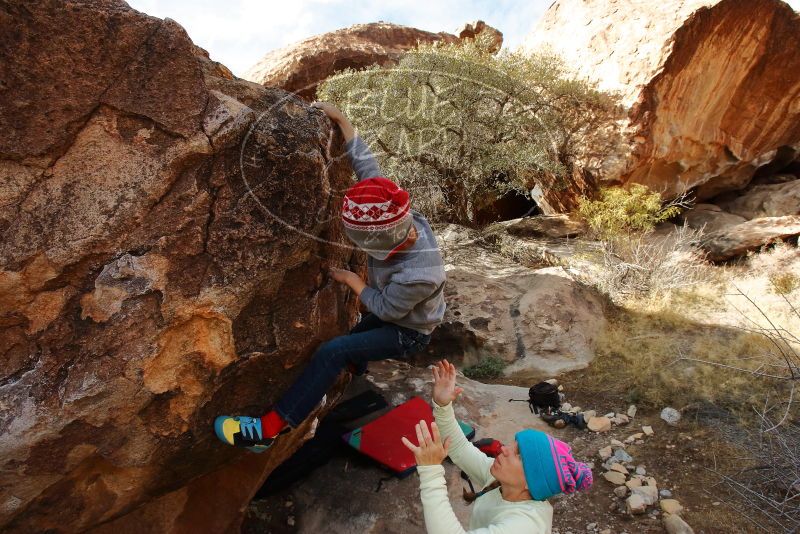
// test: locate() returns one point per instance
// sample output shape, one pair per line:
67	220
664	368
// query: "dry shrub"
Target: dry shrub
730	342
642	265
643	351
784	283
764	479
719	347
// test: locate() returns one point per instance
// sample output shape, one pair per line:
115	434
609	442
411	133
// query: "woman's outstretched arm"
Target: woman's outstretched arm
464	454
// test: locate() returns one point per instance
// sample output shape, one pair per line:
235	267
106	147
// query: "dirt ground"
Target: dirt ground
681	459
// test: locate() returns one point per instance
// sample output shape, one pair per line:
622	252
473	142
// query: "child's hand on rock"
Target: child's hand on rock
341	275
348	277
330	110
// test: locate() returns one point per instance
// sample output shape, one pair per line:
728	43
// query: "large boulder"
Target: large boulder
709	218
539	321
160	264
750	235
773	200
553	226
301	66
471	30
711	84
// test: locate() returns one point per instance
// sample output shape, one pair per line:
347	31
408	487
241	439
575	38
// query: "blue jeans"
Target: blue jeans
370	340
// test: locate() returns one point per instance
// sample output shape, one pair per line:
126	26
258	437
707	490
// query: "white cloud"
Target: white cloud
238	33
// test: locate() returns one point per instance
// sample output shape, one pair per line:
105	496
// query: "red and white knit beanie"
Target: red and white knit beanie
376	216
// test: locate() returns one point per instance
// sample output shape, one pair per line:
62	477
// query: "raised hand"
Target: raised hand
431	450
444	383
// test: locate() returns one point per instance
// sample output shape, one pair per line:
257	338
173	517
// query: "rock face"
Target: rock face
148	281
710	218
774	200
712	84
300	67
471	30
552	319
736	240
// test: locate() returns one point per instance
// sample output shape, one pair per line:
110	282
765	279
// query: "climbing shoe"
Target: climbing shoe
243	431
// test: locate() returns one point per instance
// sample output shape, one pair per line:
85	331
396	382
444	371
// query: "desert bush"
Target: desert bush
632	262
784	283
728	341
765	473
619	212
458	125
645	266
663	352
712	339
490	367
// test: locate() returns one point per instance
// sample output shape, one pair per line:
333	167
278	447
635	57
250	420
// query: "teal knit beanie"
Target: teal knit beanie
549	466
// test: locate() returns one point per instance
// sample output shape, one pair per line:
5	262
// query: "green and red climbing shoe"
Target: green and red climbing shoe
243	431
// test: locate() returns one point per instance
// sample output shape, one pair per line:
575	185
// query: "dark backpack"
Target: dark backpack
542	397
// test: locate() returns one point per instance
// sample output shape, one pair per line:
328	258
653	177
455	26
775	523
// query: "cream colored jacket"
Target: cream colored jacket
491	514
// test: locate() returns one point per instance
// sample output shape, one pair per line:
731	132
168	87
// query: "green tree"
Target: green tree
459	126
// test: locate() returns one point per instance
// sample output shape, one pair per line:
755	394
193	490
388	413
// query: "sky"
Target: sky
237	33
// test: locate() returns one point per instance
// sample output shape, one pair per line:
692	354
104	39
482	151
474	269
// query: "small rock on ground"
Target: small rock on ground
621	419
670	415
634	483
673	524
619	468
648	494
605	453
615	478
633	437
671	506
599	424
622	456
635	505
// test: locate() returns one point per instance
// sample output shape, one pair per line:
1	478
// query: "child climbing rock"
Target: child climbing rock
403	294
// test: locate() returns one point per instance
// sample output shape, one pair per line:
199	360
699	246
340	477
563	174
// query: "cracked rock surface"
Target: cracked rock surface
165	227
711	85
